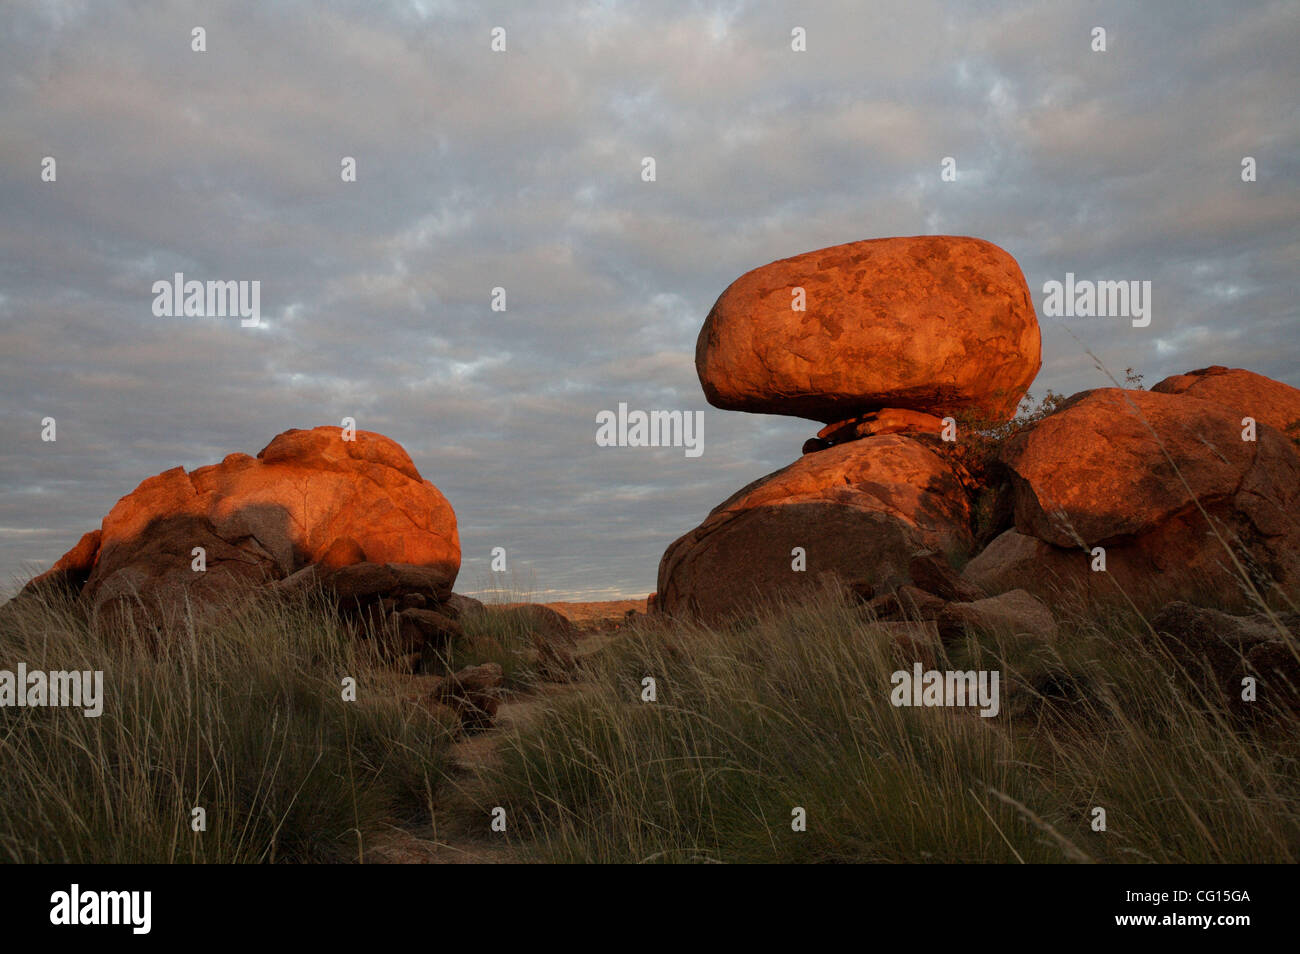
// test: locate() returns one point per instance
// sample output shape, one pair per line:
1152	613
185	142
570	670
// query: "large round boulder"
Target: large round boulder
310	497
1267	401
940	324
857	512
1179	503
1112	464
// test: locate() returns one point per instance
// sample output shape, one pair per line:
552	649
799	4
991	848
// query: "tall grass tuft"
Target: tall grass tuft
793	711
240	714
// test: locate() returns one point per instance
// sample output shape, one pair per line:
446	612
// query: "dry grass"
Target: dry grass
242	715
793	711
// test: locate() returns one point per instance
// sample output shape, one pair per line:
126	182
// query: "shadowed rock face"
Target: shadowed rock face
309	497
939	324
858	510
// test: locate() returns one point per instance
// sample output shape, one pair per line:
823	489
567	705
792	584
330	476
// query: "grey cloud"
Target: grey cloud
522	170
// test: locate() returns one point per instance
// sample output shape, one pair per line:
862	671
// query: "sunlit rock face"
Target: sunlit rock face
939	324
309	497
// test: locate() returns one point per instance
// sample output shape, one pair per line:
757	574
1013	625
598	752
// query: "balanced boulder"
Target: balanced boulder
939	324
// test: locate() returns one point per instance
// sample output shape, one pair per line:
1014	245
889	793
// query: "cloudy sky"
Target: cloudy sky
522	169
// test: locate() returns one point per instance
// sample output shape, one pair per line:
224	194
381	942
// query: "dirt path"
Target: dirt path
463	834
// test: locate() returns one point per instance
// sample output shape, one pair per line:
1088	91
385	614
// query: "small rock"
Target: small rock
916	603
544	622
1278	672
412	601
861	591
913	642
553	637
1195	634
360	582
431	697
478	678
887	420
907	603
1014	612
426	628
296	584
933	574
460	606
475	693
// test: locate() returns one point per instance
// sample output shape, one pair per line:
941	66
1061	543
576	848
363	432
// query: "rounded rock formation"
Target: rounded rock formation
310	497
858	511
1112	464
939	324
1182	505
1267	401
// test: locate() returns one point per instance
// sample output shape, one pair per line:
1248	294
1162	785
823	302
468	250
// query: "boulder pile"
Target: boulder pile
880	340
906	348
1156	495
